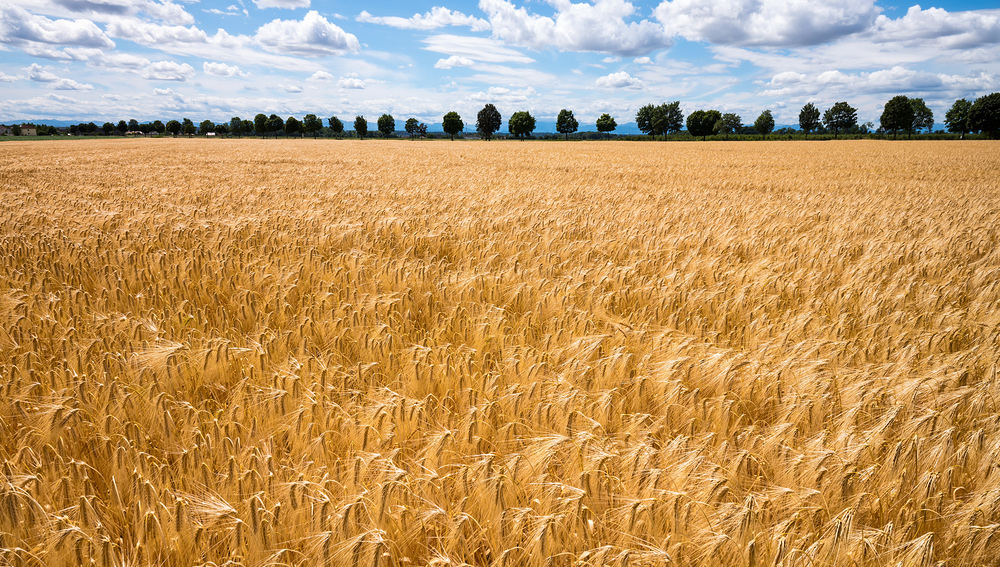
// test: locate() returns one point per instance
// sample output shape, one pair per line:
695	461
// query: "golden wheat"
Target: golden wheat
398	354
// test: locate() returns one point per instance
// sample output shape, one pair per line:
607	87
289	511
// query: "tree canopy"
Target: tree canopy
702	122
452	124
660	120
488	121
521	124
566	123
897	115
840	116
387	125
923	117
360	126
957	117
809	118
764	123
984	115
606	123
293	126
336	126
729	123
311	124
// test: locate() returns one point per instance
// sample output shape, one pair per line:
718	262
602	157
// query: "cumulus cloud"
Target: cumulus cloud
351	83
313	36
19	27
884	81
321	76
147	33
222	70
475	48
168	71
293	89
39	74
454	61
102	10
953	30
5	78
766	22
287	4
620	80
643	61
601	26
438	17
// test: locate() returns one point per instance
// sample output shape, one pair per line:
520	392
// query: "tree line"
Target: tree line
900	115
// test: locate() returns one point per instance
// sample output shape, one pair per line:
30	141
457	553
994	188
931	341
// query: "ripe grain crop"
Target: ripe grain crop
260	352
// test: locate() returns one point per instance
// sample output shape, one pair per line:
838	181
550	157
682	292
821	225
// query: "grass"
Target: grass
399	354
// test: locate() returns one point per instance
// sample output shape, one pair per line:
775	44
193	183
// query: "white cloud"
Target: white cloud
883	82
321	76
5	78
438	17
454	61
600	26
475	48
643	61
291	88
222	70
953	30
313	36
766	22
163	92
151	34
351	83
168	71
287	4
18	27
39	74
620	80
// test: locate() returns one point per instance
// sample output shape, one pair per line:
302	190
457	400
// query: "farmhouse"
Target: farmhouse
27	130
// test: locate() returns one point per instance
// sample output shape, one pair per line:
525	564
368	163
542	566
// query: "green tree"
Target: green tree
16	129
730	123
764	123
293	126
221	129
660	120
488	121
206	126
411	126
122	127
236	126
247	127
897	115
159	127
957	117
336	126
387	125
606	124
311	124
260	125
702	122
108	128
133	125
521	124
840	116
187	127
275	124
923	117
174	127
985	115
452	124
360	126
566	123
809	118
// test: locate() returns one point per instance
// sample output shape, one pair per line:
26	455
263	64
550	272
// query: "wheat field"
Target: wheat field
402	354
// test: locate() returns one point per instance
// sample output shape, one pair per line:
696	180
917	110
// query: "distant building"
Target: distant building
27	130
4	130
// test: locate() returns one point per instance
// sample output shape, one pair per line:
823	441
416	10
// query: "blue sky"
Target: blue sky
147	59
